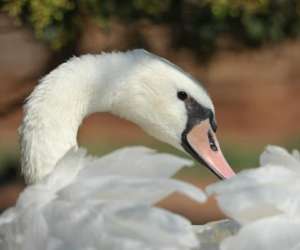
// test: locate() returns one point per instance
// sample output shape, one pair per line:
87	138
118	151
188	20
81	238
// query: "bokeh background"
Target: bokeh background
246	53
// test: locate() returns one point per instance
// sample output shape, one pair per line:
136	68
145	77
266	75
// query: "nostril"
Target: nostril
212	142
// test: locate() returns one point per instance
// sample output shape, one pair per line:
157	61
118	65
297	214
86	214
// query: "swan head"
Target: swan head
171	106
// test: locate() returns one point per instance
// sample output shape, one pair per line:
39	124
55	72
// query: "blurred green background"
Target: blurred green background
246	53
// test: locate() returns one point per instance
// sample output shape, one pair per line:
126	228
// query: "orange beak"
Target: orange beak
203	145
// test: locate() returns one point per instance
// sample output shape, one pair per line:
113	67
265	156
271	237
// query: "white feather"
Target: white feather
79	205
265	201
144	162
273	233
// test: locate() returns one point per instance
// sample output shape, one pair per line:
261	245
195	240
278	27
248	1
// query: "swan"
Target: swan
265	202
75	201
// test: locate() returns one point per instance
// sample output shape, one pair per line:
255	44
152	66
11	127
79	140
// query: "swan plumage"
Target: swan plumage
265	201
84	204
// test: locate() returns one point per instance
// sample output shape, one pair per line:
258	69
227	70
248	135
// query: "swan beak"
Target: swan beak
202	144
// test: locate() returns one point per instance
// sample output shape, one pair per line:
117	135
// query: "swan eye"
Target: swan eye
182	95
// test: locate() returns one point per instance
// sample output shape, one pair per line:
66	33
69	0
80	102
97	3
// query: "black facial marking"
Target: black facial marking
213	123
197	113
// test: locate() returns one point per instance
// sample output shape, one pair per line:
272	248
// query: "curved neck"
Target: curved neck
58	105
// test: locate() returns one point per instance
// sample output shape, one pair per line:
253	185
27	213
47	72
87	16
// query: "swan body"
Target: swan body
78	202
88	203
265	201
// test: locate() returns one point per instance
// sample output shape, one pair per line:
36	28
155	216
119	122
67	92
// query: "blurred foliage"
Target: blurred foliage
196	23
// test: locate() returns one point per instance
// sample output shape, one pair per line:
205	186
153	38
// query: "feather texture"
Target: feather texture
88	203
265	201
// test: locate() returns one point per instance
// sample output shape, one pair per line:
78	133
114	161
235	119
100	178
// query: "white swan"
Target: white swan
79	202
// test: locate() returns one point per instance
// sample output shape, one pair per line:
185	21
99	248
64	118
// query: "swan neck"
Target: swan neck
56	109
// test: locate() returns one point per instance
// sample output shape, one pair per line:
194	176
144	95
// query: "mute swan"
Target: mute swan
80	202
265	201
